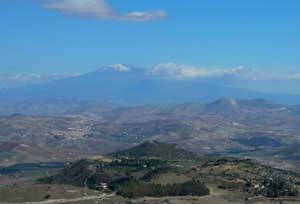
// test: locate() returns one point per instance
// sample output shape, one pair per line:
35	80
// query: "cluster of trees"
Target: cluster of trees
148	176
126	162
134	188
273	186
278	186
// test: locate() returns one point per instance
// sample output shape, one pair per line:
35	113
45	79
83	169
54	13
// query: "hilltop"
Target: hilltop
155	149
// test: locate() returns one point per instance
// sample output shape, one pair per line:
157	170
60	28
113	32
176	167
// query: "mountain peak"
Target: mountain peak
116	68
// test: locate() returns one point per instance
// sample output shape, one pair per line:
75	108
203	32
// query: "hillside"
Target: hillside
255	128
147	176
155	149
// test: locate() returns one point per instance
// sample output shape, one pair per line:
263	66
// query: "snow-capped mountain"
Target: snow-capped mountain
132	85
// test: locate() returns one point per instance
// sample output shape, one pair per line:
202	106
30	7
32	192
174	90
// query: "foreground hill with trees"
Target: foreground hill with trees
136	173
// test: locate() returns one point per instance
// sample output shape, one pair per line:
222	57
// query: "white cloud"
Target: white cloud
100	9
172	70
85	8
12	81
179	71
294	76
144	16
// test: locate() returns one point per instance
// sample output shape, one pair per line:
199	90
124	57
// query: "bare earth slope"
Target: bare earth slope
225	127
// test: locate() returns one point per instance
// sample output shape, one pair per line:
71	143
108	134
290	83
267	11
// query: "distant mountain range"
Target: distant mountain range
128	85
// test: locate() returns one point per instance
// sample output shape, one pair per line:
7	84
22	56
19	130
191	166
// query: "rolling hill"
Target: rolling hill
145	175
224	127
154	149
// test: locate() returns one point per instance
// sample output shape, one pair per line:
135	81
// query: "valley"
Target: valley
228	127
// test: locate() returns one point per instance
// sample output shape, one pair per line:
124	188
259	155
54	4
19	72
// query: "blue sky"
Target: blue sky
259	34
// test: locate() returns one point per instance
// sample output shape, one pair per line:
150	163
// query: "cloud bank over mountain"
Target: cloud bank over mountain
177	71
180	71
163	83
235	77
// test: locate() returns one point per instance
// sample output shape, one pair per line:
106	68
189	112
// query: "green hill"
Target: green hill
154	149
156	169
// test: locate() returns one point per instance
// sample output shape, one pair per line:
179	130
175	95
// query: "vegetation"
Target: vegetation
277	186
273	187
156	176
133	188
158	150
